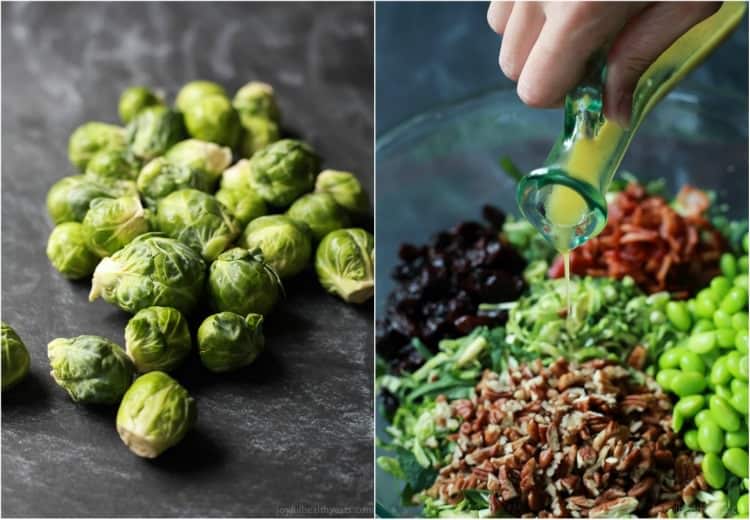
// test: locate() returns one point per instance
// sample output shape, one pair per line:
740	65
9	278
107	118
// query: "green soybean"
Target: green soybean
705	307
739	401
728	265
735	300
741	281
723	391
692	362
725	337
658	300
720	374
688	383
690	405
742	504
678	315
723	413
720	287
740	342
713	470
736	439
671	358
707	295
742	264
703	325
691	440
702	342
701	417
664	378
739	321
737	385
735	460
722	320
678	420
737	364
710	437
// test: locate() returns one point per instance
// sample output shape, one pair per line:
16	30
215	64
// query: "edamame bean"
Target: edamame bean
688	383
742	264
735	300
725	337
744	243
723	413
737	385
657	300
723	391
720	286
739	321
739	401
707	295
690	405
737	365
728	265
722	320
705	308
720	374
692	362
740	341
701	417
741	281
678	420
678	315
702	342
710	437
735	460
713	470
736	439
664	377
690	304
742	506
691	440
743	368
671	358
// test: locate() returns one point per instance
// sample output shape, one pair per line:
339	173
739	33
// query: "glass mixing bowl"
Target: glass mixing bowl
439	168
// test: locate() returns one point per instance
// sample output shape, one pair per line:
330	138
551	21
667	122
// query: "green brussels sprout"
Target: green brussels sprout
282	171
91	369
15	360
256	99
160	177
110	224
198	220
257	133
153	131
152	270
212	118
69	198
227	341
195	90
201	155
320	212
155	414
243	204
91	138
285	243
237	178
68	250
112	164
157	338
345	264
134	99
240	281
345	189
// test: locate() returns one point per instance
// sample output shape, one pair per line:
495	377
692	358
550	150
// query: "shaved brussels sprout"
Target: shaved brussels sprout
345	264
282	171
345	189
160	177
201	155
15	361
257	133
91	369
155	414
195	90
242	282
198	220
68	251
157	338
93	137
212	118
285	243
133	100
227	341
110	224
256	99
152	270
243	204
69	198
112	164
320	212
153	131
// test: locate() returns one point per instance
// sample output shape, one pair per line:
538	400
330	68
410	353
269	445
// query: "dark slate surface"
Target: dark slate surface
290	435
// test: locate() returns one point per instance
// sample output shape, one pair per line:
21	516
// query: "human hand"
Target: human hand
546	45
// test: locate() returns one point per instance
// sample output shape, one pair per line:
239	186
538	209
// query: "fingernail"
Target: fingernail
623	110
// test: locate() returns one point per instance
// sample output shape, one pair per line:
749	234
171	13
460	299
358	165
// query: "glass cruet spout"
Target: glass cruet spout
565	198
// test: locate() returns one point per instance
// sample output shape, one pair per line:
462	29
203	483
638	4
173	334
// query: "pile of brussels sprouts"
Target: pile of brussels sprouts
169	228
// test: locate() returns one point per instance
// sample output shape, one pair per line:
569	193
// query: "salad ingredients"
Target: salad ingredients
15	357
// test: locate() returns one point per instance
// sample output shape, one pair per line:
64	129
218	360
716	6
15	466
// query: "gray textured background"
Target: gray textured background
290	435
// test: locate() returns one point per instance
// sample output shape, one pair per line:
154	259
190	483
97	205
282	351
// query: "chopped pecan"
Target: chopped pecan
613	508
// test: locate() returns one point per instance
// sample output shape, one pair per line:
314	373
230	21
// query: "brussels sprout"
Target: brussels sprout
133	100
155	414
69	198
257	133
320	212
201	155
195	90
110	224
91	369
237	177
153	131
345	262
91	138
68	250
282	171
243	204
345	188
157	338
15	357
198	220
152	270
256	99
112	164
285	243
212	118
227	341
160	177
242	282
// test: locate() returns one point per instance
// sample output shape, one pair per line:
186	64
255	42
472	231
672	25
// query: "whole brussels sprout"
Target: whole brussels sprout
198	220
257	133
110	224
237	177
195	90
285	243
240	281
243	204
256	99
134	99
160	177
91	369
157	338
345	189
201	155
152	270
153	131
155	414
212	118
69	198
15	360
320	212
112	164
282	171
345	264
68	250
93	137
227	341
